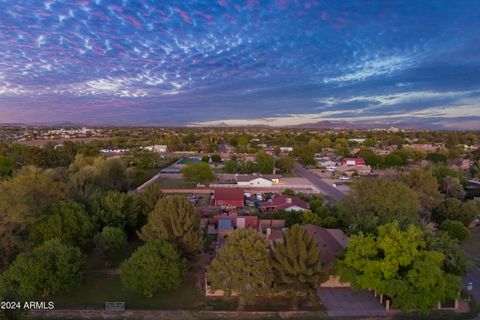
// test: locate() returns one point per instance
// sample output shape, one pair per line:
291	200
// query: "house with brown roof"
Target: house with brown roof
330	241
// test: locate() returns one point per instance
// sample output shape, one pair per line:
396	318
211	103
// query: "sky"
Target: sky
253	62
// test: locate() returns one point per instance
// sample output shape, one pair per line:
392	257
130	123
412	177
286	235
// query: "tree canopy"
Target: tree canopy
50	268
110	241
67	221
454	209
155	266
174	219
243	266
397	263
198	172
117	209
374	202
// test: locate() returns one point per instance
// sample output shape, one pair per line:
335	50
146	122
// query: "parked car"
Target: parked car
344	178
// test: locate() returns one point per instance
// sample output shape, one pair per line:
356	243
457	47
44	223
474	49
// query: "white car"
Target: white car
344	178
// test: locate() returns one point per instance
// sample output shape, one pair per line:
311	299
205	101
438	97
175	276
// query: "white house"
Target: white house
160	148
258	182
286	149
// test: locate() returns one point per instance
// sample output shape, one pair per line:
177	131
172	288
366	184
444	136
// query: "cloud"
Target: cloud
372	68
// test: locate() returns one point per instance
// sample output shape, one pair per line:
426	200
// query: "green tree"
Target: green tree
110	241
265	162
243	265
23	200
296	265
7	166
155	266
455	229
50	268
372	202
398	264
285	164
452	187
425	185
216	158
325	143
149	198
174	219
198	172
116	209
67	221
455	260
454	209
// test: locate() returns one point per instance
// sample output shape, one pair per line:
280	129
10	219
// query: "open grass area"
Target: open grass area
166	183
97	262
100	288
472	248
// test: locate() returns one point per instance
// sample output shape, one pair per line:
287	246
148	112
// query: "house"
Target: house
160	148
257	181
228	197
353	162
330	242
286	149
352	170
284	202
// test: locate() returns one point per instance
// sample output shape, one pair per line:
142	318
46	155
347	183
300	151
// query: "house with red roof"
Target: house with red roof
284	202
353	162
228	198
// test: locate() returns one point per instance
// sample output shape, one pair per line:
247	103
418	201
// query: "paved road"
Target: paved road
345	302
318	183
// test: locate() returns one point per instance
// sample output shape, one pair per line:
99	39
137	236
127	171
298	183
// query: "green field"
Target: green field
100	288
166	183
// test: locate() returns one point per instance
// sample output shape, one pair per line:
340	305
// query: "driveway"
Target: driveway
345	302
318	183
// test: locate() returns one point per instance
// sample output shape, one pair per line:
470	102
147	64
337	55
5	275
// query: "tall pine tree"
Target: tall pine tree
174	219
296	265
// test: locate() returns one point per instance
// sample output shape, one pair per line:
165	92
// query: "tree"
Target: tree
174	219
23	200
397	263
452	187
111	241
425	185
265	162
296	264
242	265
7	166
205	159
149	198
454	209
393	160
67	221
455	229
216	158
372	202
198	172
285	164
50	268
155	266
437	157
371	158
455	260
116	209
325	143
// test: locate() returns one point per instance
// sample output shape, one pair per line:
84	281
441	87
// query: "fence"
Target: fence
114	306
274	186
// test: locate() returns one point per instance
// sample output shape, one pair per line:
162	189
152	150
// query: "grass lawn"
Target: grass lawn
101	288
166	183
472	248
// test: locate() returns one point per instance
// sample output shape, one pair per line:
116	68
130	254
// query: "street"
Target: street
318	183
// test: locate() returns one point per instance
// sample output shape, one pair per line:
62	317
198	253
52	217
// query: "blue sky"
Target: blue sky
240	62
